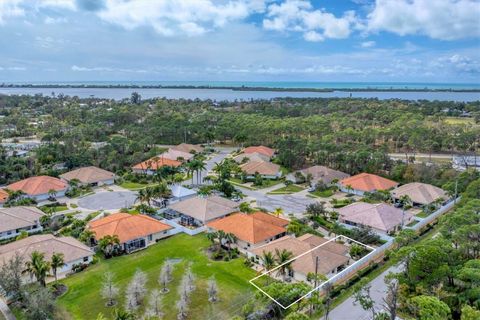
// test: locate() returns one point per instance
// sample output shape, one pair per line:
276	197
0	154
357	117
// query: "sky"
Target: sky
240	40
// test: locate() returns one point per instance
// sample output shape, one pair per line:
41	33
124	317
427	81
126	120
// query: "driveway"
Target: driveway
108	200
222	153
348	310
290	203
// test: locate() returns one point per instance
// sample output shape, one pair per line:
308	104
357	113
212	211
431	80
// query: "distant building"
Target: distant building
151	165
319	174
365	182
198	211
381	217
135	232
38	187
419	193
17	219
90	176
266	169
255	156
174	154
269	152
74	252
188	148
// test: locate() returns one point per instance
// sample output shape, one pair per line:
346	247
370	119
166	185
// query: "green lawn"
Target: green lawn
287	190
47	209
135	185
323	194
422	214
83	299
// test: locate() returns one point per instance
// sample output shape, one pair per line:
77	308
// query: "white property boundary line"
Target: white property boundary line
319	286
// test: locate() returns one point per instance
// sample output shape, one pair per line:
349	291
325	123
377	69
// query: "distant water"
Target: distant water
231	95
280	84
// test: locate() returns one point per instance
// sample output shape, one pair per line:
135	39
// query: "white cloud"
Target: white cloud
316	25
438	19
109	69
368	44
10	8
51	20
170	18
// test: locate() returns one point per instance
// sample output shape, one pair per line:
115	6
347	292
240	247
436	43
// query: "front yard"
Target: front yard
83	299
287	189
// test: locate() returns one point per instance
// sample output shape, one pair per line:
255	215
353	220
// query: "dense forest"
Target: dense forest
352	135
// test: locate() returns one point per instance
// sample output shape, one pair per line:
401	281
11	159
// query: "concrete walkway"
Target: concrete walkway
5	310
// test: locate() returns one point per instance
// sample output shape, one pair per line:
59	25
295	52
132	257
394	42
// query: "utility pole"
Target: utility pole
456	191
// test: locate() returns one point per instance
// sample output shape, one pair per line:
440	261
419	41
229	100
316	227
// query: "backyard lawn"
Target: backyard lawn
83	299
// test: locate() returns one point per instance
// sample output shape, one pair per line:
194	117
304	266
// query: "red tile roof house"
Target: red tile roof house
135	232
269	152
17	219
151	165
38	187
332	256
3	197
74	252
365	182
252	230
381	217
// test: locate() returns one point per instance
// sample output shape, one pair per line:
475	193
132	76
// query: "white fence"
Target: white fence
435	215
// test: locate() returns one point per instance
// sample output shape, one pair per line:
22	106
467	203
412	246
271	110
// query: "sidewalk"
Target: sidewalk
5	310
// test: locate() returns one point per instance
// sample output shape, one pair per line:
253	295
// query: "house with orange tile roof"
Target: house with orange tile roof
252	230
381	217
365	182
151	165
38	187
269	152
135	232
3	197
332	257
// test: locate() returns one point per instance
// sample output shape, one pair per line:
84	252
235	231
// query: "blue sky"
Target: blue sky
240	40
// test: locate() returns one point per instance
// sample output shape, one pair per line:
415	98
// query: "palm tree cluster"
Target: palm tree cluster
159	191
196	166
281	258
40	268
109	245
220	238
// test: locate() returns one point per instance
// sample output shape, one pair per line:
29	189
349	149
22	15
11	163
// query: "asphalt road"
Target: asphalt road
108	200
348	310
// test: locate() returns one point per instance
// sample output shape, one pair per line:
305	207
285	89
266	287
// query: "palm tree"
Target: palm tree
268	260
143	196
56	263
191	167
86	236
201	166
161	191
282	258
38	267
278	212
108	243
230	239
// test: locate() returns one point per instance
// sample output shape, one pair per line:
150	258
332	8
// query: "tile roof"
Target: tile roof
88	175
260	149
19	217
174	154
185	147
330	256
262	167
38	185
419	192
48	244
205	208
368	182
155	163
126	226
3	196
252	228
178	191
324	174
254	156
380	216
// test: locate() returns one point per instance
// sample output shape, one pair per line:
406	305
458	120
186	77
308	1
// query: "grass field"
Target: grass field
459	120
83	299
287	190
323	194
134	186
47	209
